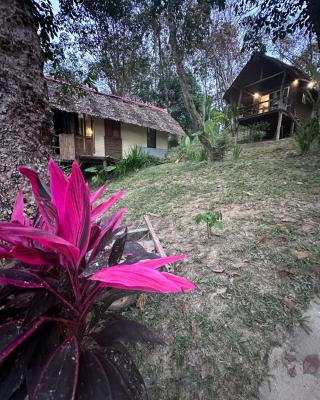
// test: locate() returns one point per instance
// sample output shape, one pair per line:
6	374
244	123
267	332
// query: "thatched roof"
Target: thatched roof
248	73
108	106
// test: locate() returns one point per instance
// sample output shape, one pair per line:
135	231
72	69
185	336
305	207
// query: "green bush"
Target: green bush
217	130
191	150
306	134
236	152
134	161
100	174
256	132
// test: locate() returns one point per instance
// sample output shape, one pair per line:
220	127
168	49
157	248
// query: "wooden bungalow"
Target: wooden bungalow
93	127
271	91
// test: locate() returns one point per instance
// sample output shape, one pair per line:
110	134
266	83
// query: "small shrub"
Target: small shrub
100	174
134	161
191	150
236	152
53	344
213	219
306	134
257	132
216	128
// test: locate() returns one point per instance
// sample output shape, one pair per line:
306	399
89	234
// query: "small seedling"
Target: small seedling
213	219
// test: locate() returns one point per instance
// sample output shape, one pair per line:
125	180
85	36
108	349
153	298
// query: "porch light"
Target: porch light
89	131
295	83
311	85
256	96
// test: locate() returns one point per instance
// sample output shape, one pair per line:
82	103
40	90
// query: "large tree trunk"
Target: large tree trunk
190	105
25	117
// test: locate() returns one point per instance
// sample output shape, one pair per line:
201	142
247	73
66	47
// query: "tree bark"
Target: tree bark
25	116
196	119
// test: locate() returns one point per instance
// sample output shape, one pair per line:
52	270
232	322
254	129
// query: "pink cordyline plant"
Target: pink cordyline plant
52	345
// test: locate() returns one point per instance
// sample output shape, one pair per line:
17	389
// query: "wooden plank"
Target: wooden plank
156	241
67	147
264	79
279	126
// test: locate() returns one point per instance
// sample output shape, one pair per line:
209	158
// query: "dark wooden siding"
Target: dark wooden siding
112	140
300	110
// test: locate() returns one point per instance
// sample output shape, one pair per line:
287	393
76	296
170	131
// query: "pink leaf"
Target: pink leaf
16	234
33	256
103	207
58	186
75	223
47	209
144	276
96	195
17	213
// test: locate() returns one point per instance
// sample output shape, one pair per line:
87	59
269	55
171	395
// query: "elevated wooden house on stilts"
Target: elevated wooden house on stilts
270	91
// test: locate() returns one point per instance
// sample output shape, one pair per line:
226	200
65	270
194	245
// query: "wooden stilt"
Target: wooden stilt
279	126
292	128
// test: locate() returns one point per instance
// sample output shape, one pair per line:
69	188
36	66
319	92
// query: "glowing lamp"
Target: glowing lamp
295	83
256	96
89	131
311	85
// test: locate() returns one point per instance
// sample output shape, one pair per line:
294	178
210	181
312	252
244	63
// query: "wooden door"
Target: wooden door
112	140
88	136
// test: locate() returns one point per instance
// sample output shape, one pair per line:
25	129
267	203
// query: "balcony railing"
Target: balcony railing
262	107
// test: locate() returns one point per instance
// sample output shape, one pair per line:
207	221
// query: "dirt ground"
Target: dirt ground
255	277
294	368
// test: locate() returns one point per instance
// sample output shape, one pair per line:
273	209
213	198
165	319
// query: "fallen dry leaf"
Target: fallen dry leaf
218	271
288	303
311	364
263	240
183	306
248	193
301	255
285	274
141	302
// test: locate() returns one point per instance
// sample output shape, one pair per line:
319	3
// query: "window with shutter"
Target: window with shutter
152	138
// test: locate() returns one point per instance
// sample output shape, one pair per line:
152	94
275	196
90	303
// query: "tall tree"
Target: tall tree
25	118
112	39
188	23
279	18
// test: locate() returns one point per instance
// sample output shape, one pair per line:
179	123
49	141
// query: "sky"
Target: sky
55	5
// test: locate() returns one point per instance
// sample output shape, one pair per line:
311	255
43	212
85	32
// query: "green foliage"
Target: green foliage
134	161
100	174
236	152
191	149
306	134
171	97
217	130
213	219
253	133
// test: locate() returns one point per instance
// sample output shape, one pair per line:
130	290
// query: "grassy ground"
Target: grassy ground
218	338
